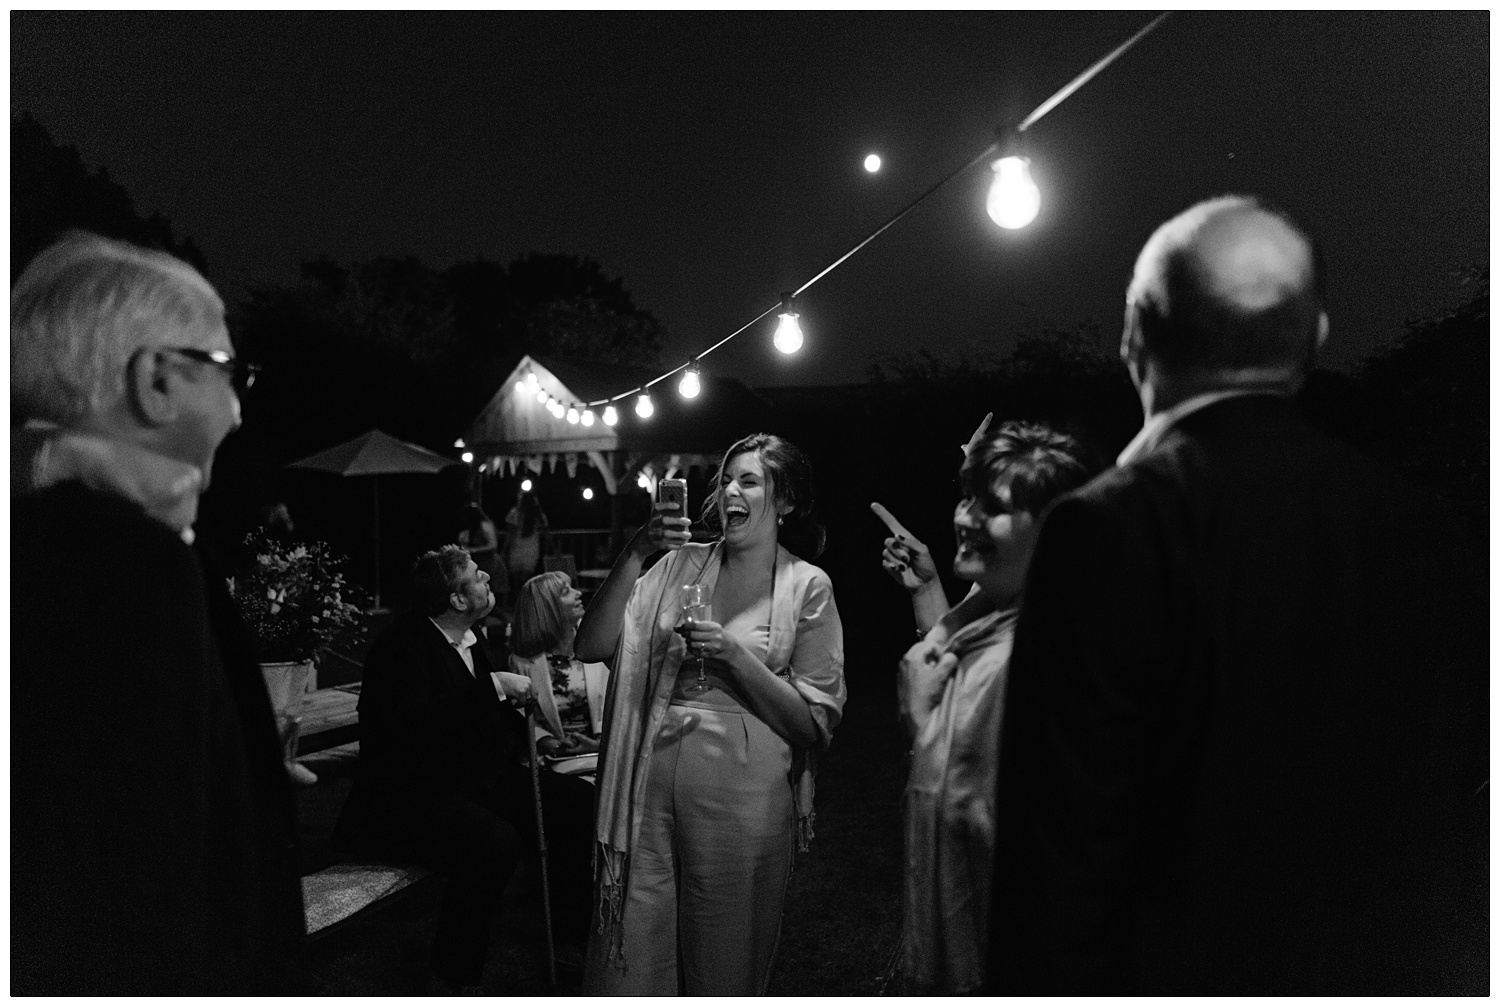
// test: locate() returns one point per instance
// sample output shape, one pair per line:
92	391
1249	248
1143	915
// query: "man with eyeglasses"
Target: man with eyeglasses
152	821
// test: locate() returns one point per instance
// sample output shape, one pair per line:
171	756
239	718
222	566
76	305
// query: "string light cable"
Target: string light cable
1015	177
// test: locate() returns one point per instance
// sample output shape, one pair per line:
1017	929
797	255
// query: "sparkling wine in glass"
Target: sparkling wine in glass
695	608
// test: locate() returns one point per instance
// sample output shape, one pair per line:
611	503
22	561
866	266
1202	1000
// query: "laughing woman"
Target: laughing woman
706	776
952	689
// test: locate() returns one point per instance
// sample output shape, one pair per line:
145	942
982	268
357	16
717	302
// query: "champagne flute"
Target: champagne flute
695	608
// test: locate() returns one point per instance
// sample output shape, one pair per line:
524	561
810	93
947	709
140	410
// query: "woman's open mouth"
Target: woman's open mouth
735	514
972	541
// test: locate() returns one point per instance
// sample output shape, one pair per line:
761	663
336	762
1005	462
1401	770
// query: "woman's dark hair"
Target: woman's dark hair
1039	463
528	513
474	519
800	529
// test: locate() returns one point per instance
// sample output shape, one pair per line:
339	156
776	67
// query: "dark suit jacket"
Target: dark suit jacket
151	818
429	731
1244	729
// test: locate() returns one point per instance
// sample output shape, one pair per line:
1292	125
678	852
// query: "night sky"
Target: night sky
714	160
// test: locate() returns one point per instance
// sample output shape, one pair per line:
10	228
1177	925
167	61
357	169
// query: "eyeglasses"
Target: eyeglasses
241	372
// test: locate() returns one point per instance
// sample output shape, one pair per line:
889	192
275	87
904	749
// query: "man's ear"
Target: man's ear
149	381
1130	335
458	602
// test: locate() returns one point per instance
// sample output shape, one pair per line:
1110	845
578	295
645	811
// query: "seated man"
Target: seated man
442	778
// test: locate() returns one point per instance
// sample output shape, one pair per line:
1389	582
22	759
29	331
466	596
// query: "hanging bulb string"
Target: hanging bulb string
986	152
1056	99
1087	75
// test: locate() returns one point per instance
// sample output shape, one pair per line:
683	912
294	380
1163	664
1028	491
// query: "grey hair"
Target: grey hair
83	307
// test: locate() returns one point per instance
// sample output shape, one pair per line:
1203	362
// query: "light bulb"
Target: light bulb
872	163
521	387
542	397
587	419
467	456
610	416
643	481
1014	198
531	379
588	494
788	333
525	485
643	406
459	443
555	408
689	386
572	414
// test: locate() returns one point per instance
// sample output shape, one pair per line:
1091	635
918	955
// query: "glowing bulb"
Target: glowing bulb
587	419
521	387
525	485
610	416
788	333
459	443
588	494
542	397
531	379
467	456
572	414
1014	198
689	386
557	409
872	163
643	481
643	406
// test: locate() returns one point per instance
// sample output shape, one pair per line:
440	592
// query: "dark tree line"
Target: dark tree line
52	191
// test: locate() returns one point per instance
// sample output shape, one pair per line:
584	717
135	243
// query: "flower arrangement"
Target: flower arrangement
296	599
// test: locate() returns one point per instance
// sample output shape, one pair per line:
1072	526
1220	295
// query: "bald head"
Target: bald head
1228	292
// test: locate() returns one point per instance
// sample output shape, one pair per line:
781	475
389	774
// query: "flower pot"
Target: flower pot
286	682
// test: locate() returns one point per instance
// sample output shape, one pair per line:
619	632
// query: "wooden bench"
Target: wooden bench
329	718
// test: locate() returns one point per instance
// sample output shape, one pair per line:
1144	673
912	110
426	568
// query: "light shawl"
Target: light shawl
949	812
806	648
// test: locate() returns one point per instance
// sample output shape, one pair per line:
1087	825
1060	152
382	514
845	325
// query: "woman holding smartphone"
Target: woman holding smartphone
712	729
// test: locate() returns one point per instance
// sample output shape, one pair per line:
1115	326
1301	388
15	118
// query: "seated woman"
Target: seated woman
706	767
570	693
951	690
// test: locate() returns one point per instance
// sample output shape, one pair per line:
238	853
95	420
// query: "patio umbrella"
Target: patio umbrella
376	454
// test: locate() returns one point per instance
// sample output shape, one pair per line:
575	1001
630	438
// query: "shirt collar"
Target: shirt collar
463	643
1157	426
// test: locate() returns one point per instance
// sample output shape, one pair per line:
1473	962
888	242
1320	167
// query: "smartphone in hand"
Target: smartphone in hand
673	491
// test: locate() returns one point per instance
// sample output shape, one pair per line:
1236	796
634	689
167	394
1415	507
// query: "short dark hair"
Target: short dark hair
801	530
1184	326
1039	463
435	576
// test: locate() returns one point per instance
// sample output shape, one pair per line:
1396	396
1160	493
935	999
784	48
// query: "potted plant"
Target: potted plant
299	605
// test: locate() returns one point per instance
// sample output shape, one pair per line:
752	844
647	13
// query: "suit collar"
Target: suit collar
1159	425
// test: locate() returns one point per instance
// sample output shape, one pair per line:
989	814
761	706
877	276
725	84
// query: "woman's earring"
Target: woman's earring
780	518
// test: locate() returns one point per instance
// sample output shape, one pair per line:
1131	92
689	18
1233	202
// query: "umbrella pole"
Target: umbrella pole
376	533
